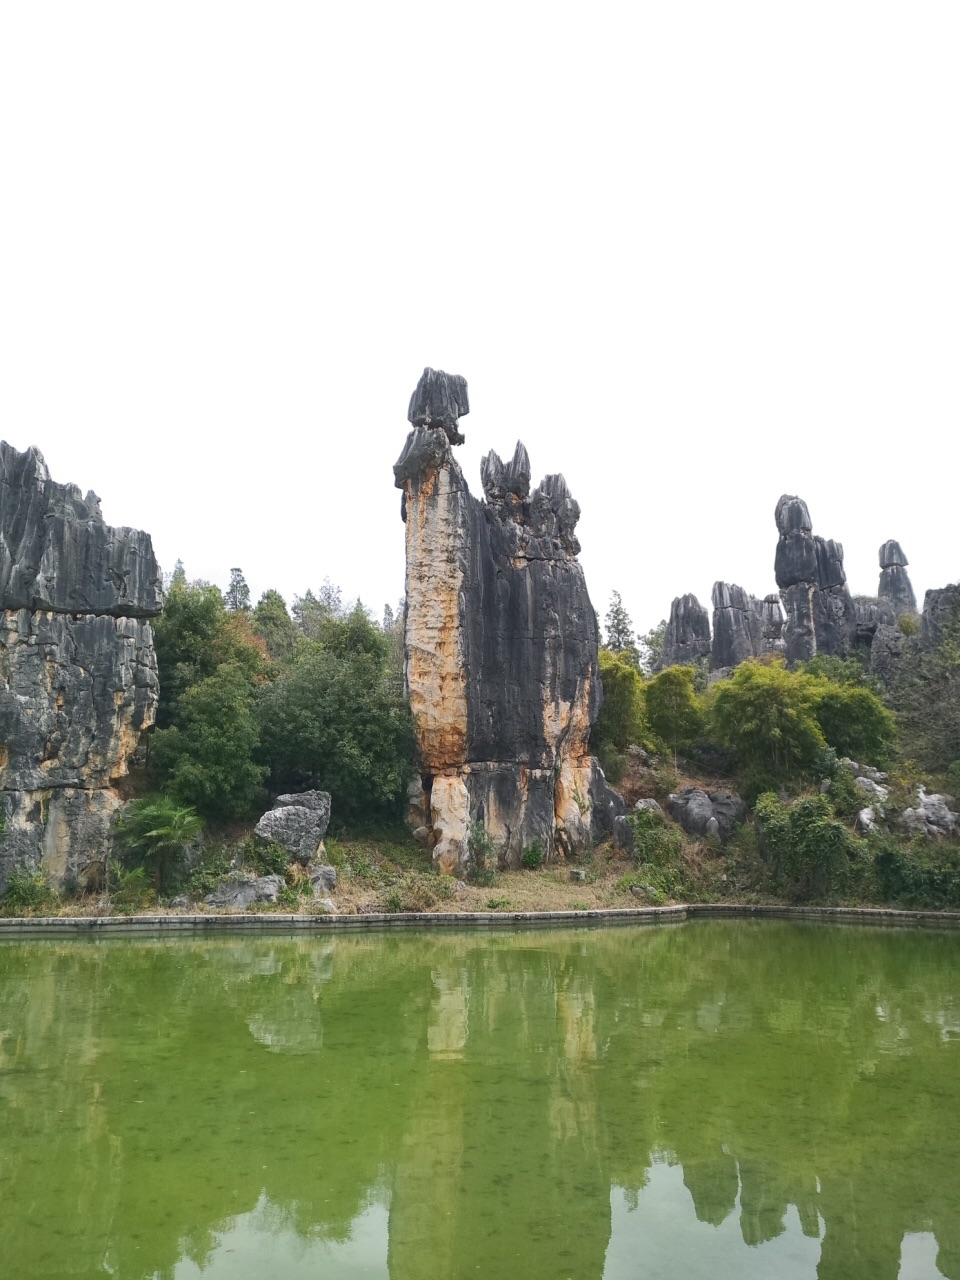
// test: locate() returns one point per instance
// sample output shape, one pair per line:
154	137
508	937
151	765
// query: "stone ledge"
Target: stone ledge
46	926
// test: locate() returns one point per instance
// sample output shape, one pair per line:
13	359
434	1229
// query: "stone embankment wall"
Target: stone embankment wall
78	673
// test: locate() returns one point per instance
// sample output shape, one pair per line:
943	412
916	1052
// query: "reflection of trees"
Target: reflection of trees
497	1086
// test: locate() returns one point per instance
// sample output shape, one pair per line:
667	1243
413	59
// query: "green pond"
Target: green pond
738	1099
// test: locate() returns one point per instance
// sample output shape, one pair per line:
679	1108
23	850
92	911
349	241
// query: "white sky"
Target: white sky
693	254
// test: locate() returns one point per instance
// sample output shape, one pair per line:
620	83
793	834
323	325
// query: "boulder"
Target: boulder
707	814
623	834
238	891
651	805
323	879
931	817
298	822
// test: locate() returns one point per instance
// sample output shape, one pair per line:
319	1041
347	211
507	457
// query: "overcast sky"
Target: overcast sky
695	255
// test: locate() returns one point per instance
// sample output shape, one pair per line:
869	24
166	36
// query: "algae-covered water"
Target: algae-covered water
721	1099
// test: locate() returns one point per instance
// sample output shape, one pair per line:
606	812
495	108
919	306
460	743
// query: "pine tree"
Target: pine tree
237	597
620	638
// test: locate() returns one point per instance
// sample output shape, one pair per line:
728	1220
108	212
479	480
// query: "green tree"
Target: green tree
273	624
926	697
651	646
620	723
809	850
855	722
237	595
620	638
767	716
157	831
311	611
674	710
206	758
338	722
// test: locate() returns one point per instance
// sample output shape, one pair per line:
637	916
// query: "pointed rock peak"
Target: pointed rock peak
792	515
493	476
518	472
440	400
891	553
556	489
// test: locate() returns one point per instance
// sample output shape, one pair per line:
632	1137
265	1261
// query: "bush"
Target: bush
156	832
919	873
808	849
620	723
129	886
212	863
766	715
654	839
267	859
28	891
532	857
481	859
855	722
674	710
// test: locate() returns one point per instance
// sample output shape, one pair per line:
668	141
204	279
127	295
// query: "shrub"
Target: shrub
532	857
807	847
654	839
268	859
766	715
854	722
481	860
28	891
156	832
621	720
209	867
918	873
129	886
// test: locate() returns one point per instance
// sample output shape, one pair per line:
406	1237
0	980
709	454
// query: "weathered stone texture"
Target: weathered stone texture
941	609
895	585
78	672
501	645
737	631
687	638
820	613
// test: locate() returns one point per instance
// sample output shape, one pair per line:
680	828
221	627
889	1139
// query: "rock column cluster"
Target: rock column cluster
501	646
820	613
78	673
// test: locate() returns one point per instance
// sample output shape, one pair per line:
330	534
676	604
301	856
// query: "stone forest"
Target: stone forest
244	1065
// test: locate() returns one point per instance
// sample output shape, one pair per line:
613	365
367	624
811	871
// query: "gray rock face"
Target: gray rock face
237	892
820	613
895	586
708	814
501	646
298	822
57	554
323	879
771	625
623	834
78	672
931	817
687	639
941	608
737	633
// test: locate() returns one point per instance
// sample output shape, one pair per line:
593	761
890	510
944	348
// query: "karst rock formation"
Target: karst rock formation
821	617
78	673
501	647
687	638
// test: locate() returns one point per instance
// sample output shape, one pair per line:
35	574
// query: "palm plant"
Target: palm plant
157	831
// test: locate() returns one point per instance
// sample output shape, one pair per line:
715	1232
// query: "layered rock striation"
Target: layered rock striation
737	626
501	646
687	639
78	672
895	588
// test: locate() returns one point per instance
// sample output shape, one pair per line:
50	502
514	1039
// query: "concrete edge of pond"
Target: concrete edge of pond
277	923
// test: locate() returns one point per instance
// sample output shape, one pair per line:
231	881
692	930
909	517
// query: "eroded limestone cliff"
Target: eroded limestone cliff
501	646
78	673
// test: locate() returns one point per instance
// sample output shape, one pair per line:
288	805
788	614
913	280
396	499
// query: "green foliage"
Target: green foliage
156	832
766	716
847	799
532	857
274	626
909	624
354	633
655	840
206	758
808	849
855	722
620	723
237	595
267	859
674	710
620	638
651	646
481	856
416	891
926	698
338	722
129	887
953	783
28	891
311	611
920	873
839	671
211	864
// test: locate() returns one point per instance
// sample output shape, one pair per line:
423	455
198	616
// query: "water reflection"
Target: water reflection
723	1099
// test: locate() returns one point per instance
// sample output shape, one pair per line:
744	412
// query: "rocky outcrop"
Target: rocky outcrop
239	891
941	609
687	638
820	613
78	673
298	822
771	625
931	817
500	646
895	588
736	626
708	814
